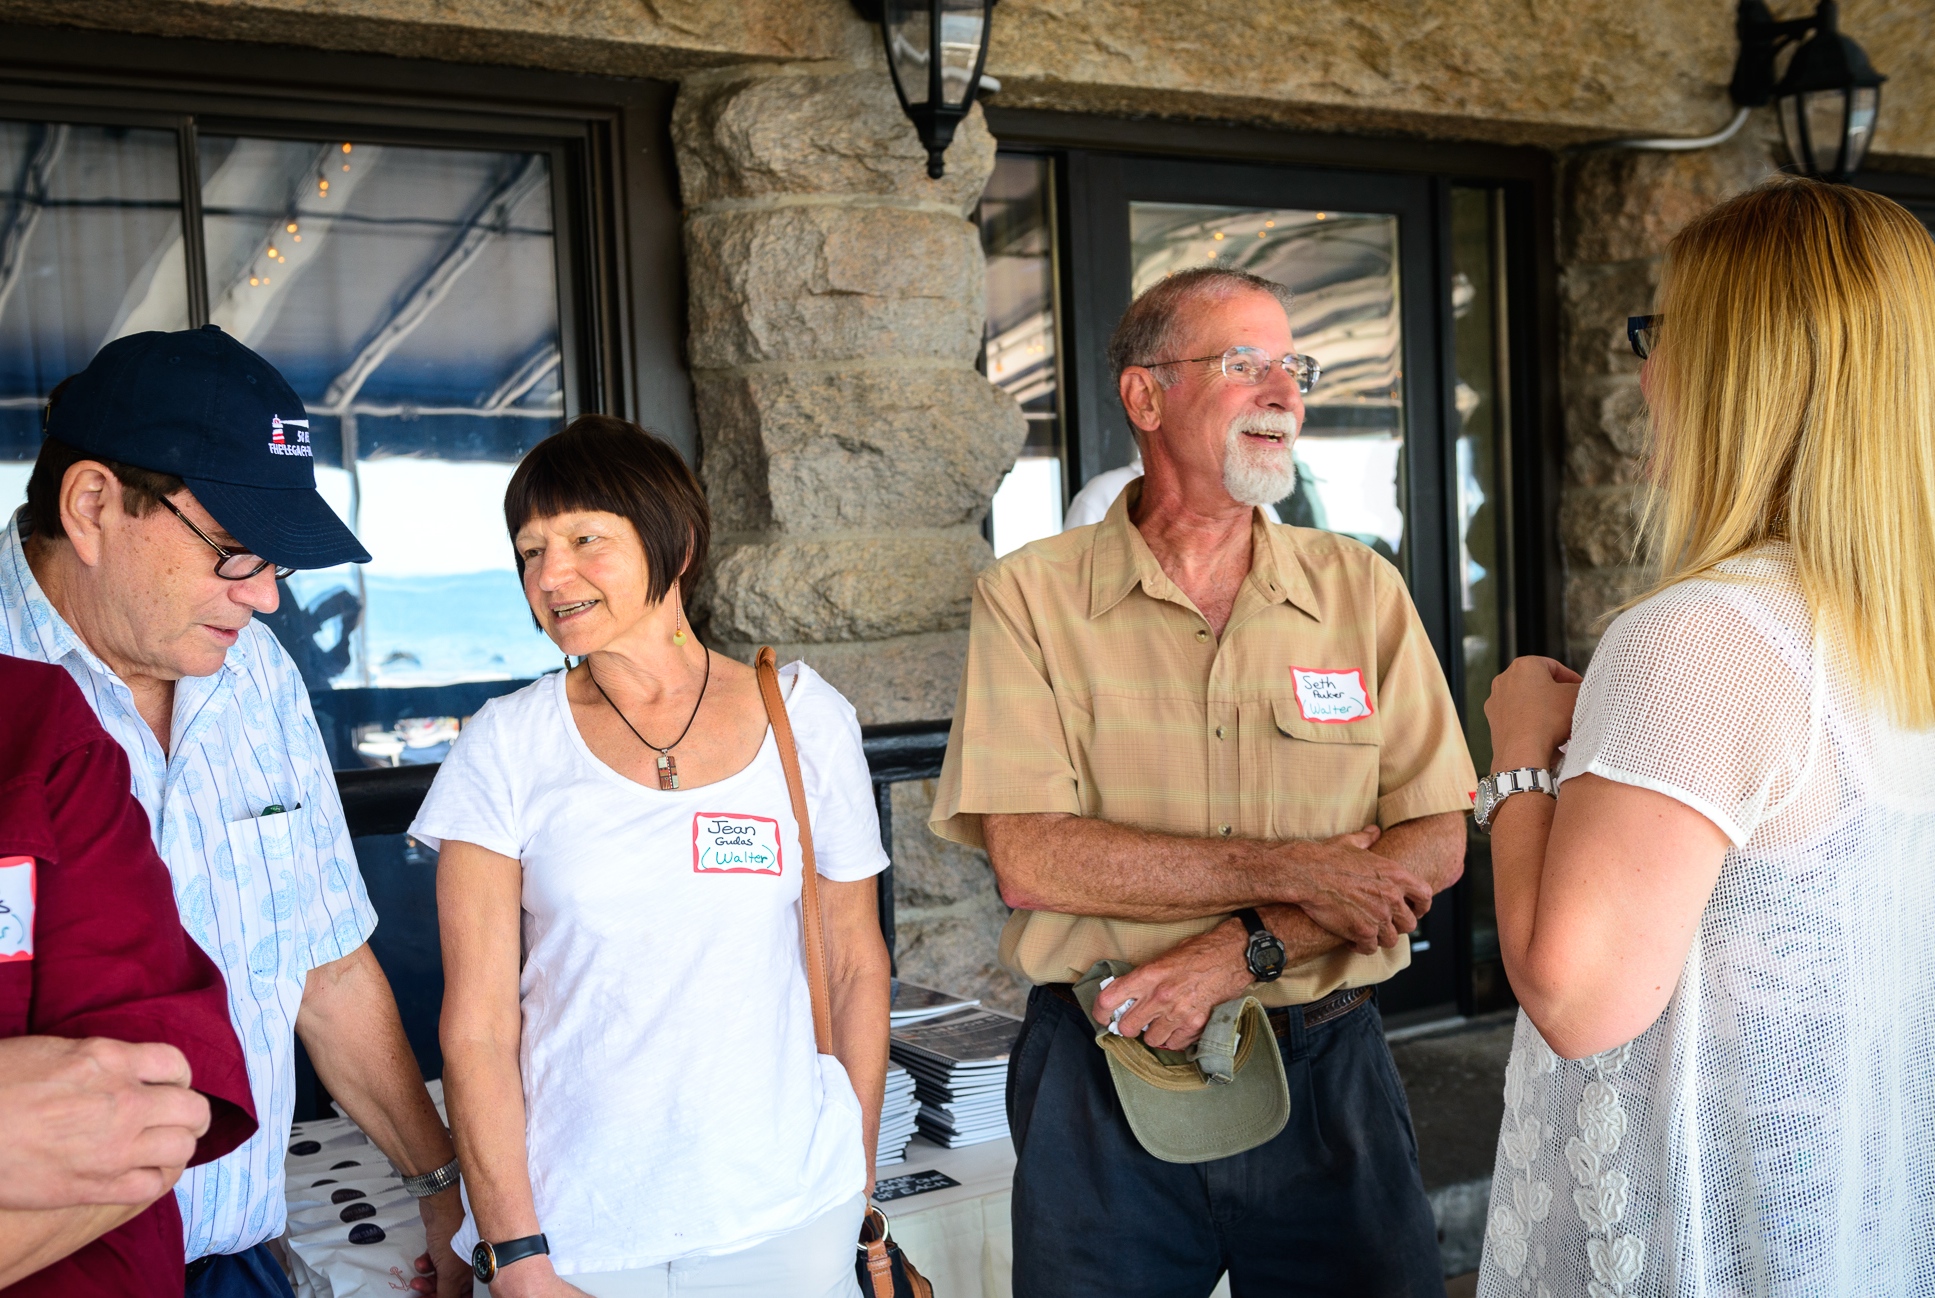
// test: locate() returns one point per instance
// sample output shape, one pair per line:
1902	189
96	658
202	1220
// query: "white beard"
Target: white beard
1260	475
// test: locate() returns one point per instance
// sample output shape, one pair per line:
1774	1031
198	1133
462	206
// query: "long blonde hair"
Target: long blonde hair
1792	397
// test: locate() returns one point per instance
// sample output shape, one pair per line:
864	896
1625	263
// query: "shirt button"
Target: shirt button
1219	732
1201	634
1224	830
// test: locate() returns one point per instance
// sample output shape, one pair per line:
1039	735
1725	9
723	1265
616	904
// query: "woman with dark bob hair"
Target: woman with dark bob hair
629	1050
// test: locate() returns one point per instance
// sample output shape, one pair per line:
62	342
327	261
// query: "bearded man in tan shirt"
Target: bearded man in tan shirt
1183	732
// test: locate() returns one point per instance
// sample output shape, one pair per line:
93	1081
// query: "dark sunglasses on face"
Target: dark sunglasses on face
230	565
1643	332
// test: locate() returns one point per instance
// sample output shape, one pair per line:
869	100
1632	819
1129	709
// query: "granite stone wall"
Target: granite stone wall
849	447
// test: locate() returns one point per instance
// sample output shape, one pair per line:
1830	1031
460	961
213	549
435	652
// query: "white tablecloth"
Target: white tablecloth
958	1236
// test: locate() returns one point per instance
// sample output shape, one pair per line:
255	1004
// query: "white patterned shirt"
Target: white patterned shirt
269	897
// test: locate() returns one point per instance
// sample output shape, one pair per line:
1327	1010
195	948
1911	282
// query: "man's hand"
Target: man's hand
1175	992
94	1121
440	1271
1367	900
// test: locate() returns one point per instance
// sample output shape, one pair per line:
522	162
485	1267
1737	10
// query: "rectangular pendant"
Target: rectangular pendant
668	771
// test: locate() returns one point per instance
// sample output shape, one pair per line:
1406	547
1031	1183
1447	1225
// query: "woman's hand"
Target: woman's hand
1530	711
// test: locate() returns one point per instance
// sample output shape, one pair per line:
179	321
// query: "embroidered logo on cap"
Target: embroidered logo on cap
1331	697
280	442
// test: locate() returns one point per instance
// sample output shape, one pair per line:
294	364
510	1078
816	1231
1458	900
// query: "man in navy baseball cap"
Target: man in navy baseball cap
176	483
204	408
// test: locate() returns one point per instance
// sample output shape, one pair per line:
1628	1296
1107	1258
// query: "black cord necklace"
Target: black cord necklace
668	765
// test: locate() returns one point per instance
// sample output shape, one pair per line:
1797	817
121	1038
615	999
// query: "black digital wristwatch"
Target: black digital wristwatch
1265	954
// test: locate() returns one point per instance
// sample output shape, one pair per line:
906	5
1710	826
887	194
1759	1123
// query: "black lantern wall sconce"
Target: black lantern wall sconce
1827	99
935	50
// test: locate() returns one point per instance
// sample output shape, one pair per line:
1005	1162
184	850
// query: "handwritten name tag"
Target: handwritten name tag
728	843
1331	696
16	908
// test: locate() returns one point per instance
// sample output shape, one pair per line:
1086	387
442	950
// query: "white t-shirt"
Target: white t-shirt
675	1102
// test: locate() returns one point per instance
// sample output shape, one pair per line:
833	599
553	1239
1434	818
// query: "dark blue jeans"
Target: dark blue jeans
251	1274
1334	1205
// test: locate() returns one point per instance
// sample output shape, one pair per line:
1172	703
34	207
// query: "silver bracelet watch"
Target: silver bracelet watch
1494	789
425	1184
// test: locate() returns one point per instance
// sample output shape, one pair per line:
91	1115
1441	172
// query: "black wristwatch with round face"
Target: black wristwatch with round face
486	1260
1265	954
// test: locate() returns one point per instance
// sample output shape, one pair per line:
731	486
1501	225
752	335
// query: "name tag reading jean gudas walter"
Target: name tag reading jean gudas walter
730	843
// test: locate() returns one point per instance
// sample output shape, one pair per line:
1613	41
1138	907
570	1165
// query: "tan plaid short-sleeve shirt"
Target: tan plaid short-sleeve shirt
1093	686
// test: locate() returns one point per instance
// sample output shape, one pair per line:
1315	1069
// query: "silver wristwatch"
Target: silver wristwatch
425	1184
1494	789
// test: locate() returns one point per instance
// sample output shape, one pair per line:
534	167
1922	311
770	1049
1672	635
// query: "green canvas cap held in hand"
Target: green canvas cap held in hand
1176	1110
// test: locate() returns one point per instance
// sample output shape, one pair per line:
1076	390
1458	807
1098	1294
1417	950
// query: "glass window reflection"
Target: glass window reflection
90	249
1343	268
410	296
1018	353
1478	354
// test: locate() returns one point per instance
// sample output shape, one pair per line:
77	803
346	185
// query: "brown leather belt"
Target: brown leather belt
1317	1013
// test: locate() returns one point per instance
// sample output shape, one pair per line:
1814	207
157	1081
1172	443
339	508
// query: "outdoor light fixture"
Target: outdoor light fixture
936	91
1828	98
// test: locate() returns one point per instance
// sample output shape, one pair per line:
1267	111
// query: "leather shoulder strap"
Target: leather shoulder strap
813	927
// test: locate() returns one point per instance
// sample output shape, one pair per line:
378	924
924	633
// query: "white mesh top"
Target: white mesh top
1769	1133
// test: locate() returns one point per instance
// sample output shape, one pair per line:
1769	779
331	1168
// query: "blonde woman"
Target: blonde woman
1722	930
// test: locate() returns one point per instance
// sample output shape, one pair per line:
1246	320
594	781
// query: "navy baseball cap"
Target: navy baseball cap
200	405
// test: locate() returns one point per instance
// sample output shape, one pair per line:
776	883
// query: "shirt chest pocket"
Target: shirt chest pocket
1323	775
273	864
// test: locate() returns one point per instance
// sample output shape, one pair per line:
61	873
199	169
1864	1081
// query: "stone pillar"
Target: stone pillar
1619	210
848	446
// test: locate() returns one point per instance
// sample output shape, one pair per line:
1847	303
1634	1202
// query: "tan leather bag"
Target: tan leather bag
883	1269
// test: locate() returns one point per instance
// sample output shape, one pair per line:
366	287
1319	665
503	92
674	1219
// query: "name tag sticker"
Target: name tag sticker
1331	697
16	908
730	843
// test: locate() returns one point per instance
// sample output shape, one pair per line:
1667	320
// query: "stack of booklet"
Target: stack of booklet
959	1062
896	1117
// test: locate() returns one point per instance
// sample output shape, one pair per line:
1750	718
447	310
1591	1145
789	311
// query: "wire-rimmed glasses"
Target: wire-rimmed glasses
1251	365
230	565
1643	332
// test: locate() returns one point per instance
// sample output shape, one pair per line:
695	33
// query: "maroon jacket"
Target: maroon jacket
110	958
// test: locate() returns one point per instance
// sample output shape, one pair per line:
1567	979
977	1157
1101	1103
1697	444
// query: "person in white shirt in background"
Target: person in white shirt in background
629	1050
1091	503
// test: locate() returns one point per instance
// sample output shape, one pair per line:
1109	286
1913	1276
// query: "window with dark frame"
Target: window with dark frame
443	279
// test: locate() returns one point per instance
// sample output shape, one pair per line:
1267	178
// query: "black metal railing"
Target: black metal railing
908	750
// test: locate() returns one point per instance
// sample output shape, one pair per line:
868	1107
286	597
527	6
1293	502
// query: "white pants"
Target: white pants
812	1261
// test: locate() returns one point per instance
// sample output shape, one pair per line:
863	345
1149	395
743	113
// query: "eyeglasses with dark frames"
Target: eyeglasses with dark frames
1643	332
1251	365
230	565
